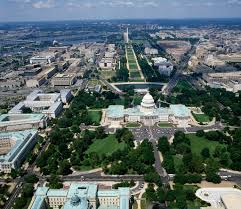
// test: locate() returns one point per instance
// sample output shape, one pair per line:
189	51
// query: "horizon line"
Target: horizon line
121	19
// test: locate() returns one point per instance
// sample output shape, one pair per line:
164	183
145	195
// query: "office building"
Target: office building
18	122
42	59
49	104
64	79
107	63
151	51
165	70
14	147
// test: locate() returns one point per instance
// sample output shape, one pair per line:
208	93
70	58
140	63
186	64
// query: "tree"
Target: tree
213	177
64	168
151	193
100	133
200	133
14	173
163	145
31	178
205	152
181	202
27	190
153	177
54	182
75	129
20	202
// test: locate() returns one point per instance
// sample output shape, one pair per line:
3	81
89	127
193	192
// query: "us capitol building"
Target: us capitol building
147	113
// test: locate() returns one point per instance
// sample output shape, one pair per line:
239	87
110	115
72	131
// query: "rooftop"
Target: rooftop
20	117
115	111
180	110
20	138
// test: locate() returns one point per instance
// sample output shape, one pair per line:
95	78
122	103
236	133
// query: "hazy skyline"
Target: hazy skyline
32	10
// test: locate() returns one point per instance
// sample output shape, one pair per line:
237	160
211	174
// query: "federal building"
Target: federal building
147	113
14	147
18	122
50	104
80	196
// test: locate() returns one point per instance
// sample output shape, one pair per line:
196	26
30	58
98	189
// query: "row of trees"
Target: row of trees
122	73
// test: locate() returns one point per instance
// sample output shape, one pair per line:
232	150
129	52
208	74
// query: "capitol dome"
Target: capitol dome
148	101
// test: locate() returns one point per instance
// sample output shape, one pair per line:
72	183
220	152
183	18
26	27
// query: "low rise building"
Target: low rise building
18	122
14	147
81	196
165	70
64	79
159	61
42	59
39	102
12	83
151	51
222	77
61	49
107	63
32	72
36	82
41	77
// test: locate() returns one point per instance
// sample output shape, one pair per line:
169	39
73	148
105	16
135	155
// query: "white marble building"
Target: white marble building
147	113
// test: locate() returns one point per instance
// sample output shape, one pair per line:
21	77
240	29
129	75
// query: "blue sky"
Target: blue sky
32	10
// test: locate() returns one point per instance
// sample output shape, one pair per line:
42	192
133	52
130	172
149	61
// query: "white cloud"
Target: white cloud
44	4
234	2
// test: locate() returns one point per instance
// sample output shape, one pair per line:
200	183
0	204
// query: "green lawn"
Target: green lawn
135	74
165	125
198	143
133	125
177	161
95	116
106	146
133	66
201	118
182	85
107	74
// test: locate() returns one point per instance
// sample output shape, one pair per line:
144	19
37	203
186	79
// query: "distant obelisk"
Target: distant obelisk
126	36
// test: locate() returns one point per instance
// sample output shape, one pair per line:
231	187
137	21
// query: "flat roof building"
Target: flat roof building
18	122
81	196
42	77
14	146
42	59
64	79
50	104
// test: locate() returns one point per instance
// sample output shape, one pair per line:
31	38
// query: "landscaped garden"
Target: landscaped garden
133	66
133	125
95	116
106	146
199	143
201	118
165	125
